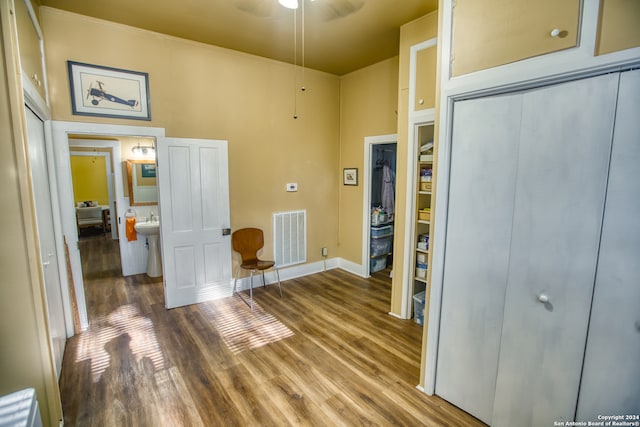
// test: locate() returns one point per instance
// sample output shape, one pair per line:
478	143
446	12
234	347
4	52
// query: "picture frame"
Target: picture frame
350	176
148	170
108	92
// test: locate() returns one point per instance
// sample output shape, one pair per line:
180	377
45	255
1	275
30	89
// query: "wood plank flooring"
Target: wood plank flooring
326	354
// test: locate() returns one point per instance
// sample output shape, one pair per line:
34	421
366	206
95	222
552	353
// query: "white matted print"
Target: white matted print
108	92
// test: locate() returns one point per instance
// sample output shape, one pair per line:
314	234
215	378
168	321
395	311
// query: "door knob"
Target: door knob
226	231
543	298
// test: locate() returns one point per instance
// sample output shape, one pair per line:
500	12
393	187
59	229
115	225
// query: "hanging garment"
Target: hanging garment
388	190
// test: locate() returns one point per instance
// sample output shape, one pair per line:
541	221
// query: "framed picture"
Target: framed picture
350	176
108	92
148	170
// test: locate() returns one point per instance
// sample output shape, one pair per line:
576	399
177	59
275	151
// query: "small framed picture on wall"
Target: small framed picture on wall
350	176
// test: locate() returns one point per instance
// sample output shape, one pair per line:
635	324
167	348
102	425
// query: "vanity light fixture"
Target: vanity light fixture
145	150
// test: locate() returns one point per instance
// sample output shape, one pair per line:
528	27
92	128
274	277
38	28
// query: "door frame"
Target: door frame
60	131
109	175
369	142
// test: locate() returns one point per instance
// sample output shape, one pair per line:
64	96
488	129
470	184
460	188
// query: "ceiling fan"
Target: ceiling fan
325	10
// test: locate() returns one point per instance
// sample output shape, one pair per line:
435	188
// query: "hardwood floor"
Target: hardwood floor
325	354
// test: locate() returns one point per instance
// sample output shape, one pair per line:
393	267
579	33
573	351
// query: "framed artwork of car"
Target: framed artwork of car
108	92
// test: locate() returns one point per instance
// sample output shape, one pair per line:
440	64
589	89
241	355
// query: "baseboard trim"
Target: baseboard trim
352	267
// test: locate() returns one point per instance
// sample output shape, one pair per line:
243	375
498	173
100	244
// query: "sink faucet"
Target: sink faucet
151	217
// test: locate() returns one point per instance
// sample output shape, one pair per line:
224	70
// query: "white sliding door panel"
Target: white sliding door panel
611	373
565	145
481	196
194	211
46	237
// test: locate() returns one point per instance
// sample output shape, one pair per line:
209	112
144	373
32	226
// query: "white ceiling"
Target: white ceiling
340	35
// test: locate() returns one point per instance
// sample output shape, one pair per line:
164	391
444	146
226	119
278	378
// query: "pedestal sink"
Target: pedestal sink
151	230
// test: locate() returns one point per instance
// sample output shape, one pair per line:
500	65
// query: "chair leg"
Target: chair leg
278	277
251	291
264	282
235	281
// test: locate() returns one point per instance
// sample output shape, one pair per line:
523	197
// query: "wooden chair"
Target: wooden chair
247	242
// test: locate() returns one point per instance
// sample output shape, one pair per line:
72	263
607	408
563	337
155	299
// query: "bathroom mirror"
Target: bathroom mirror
143	189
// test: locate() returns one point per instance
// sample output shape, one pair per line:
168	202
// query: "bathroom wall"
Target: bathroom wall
89	175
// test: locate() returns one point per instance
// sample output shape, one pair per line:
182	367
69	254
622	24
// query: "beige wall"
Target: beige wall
25	358
417	31
201	91
368	100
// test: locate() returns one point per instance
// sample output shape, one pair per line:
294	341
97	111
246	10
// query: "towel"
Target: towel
131	229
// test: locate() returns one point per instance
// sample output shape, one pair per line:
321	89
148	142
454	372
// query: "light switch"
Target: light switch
292	186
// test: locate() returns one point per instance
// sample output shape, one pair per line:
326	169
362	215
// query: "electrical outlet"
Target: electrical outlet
292	186
325	251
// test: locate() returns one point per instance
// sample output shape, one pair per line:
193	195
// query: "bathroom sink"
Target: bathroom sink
148	228
151	230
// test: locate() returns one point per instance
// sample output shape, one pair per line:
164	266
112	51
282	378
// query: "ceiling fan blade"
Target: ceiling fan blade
336	9
259	8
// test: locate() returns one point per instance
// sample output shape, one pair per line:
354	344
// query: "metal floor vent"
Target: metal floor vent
290	237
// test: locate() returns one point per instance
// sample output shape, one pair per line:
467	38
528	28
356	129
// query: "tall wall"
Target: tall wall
202	91
368	102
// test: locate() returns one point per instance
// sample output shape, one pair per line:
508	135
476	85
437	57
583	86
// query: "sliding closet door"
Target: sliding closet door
481	195
611	376
565	143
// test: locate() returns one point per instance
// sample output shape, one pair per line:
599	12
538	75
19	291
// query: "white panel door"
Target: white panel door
611	373
46	237
565	143
481	196
194	211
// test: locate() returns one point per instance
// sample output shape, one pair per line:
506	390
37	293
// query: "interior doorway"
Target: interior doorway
95	161
61	132
379	204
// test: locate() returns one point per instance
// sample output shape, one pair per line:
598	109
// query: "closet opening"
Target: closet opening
381	153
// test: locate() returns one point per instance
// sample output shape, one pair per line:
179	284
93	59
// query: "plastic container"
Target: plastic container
421	271
381	231
418	307
381	246
378	264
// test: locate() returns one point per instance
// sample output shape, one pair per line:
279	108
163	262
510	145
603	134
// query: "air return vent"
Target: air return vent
290	237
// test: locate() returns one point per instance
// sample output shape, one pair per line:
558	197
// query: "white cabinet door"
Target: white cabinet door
194	211
527	186
481	196
611	375
46	236
565	143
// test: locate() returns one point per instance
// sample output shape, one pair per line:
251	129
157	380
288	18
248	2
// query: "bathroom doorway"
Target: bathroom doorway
102	136
95	161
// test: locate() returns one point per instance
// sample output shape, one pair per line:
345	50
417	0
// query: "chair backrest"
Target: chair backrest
247	242
94	212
